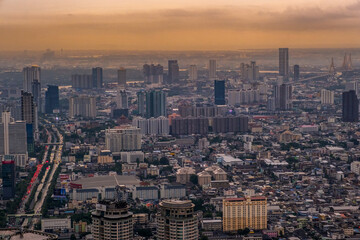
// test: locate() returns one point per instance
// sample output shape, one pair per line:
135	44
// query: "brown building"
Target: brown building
241	213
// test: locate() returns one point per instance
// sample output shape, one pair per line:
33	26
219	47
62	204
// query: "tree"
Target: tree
194	179
72	237
164	161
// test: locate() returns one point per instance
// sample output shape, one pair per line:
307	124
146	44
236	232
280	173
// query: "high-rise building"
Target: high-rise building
123	138
353	85
112	220
152	103
30	74
327	96
8	177
152	126
97	77
155	104
284	62
230	124
173	72
212	69
283	96
176	220
189	125
36	91
296	72
82	106
13	139
241	213
82	81
122	77
51	99
193	73
350	107
122	99
153	73
219	92
29	112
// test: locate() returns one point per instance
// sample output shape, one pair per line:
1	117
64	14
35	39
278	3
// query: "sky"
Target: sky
178	24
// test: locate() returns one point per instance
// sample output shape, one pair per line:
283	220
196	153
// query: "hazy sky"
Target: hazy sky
178	24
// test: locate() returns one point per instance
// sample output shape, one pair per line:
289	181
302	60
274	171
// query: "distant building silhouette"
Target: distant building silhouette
173	72
284	62
97	77
212	69
350	107
51	99
296	72
219	90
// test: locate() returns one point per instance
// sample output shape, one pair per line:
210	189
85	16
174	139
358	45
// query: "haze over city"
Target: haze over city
178	25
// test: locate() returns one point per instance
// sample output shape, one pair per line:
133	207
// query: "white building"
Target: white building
355	167
13	139
146	193
327	96
132	157
152	126
227	160
123	138
55	224
248	96
172	191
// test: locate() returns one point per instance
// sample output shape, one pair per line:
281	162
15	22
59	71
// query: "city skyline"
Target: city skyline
178	25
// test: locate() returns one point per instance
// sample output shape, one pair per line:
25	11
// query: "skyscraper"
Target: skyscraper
82	81
30	74
51	99
212	69
153	73
285	96
284	62
112	220
173	72
27	107
8	177
122	77
350	107
82	106
219	90
176	220
241	213
193	74
296	72
122	99
155	103
36	91
249	72
97	77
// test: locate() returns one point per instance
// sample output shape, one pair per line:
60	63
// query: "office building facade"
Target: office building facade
296	72
152	103
153	73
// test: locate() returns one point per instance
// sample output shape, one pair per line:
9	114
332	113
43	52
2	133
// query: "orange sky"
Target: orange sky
178	25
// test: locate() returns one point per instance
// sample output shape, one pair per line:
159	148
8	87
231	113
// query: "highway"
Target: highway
44	187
